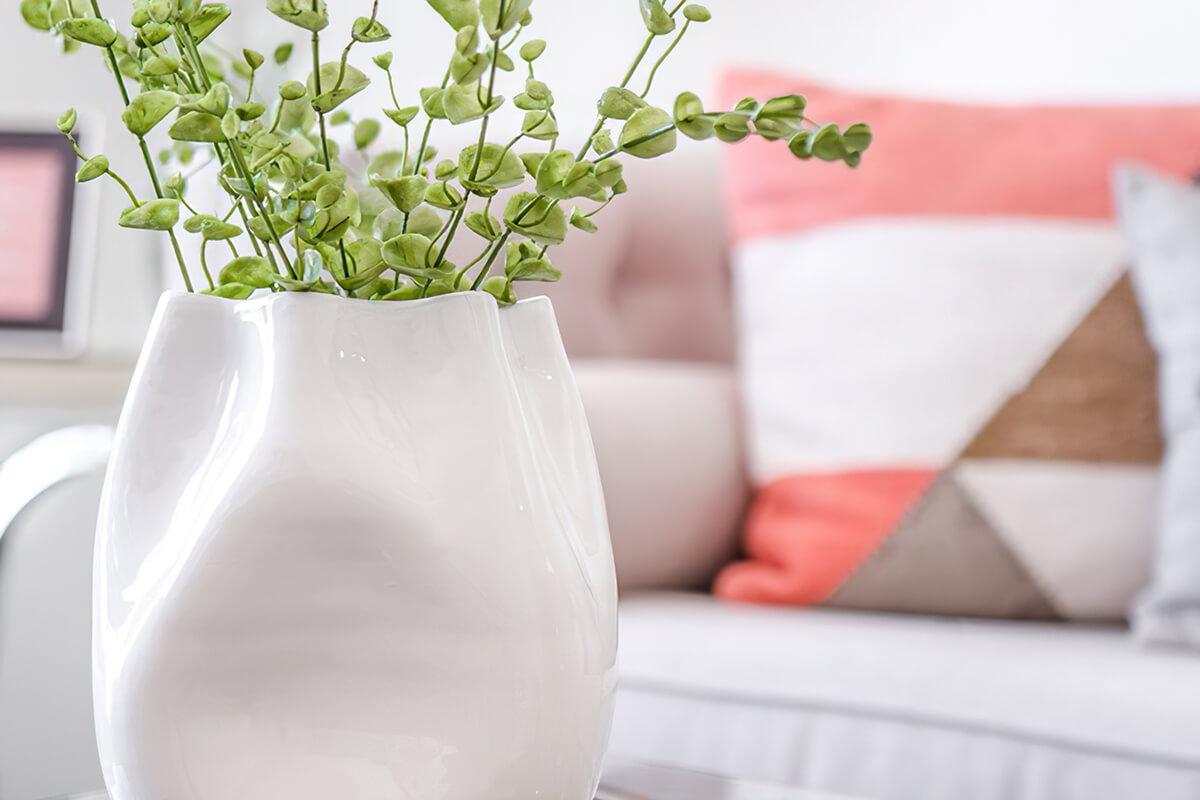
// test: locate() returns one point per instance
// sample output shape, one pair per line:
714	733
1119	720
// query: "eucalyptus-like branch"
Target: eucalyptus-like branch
146	157
300	202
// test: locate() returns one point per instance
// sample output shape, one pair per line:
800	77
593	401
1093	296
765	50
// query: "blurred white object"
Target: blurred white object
48	460
48	497
353	550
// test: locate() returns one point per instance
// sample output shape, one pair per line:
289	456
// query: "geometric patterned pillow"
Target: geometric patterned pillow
950	398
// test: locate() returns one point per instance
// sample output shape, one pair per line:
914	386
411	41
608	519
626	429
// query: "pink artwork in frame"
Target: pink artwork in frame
36	194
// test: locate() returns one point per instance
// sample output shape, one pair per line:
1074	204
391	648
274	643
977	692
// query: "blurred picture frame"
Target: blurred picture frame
47	236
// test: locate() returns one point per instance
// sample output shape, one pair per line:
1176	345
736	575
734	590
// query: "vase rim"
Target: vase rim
175	296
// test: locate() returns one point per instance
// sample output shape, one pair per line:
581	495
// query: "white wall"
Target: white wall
1014	50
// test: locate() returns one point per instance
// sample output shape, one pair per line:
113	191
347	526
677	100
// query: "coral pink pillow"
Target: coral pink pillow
951	400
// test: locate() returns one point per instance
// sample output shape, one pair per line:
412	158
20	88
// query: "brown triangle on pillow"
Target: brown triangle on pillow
1094	400
945	557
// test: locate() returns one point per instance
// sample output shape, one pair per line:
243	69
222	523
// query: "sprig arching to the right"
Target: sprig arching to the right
304	212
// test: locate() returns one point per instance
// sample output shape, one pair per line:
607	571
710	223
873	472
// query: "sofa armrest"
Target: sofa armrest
669	447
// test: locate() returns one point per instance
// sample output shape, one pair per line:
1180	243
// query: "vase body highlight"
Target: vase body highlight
353	550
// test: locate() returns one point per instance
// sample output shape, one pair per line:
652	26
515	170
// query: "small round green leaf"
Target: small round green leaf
582	222
731	127
196	126
408	254
230	124
155	215
312	264
457	13
858	137
253	271
153	34
308	14
619	103
247	112
496	23
207	19
231	291
405	193
498	166
407	291
532	50
538	218
67	120
649	133
89	30
827	144
402	116
161	66
484	225
501	289
93	168
539	125
366	132
461	103
369	31
292	90
443	196
657	20
147	110
333	95
36	14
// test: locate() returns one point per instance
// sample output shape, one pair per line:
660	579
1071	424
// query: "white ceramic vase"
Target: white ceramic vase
353	550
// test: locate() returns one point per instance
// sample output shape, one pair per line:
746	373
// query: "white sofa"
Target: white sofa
867	705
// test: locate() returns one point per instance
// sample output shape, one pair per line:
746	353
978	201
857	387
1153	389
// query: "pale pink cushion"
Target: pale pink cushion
654	282
669	448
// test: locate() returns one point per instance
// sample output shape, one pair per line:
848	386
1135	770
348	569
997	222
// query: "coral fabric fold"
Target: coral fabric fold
842	516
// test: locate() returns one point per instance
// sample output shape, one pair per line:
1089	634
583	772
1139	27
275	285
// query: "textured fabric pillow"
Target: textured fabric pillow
1161	220
951	398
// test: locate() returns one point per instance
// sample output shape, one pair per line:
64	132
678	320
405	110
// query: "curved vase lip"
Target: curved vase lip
175	296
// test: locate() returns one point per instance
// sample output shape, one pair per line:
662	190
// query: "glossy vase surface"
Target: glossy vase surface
353	550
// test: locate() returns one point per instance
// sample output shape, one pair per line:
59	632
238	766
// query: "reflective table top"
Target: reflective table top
628	780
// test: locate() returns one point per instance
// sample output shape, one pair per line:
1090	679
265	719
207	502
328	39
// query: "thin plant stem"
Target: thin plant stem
189	50
120	181
428	128
316	58
670	49
204	264
116	70
629	73
483	128
483	273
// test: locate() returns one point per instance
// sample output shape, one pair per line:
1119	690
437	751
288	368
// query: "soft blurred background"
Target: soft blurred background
645	307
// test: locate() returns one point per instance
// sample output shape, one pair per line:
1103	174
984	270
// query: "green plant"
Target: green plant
290	194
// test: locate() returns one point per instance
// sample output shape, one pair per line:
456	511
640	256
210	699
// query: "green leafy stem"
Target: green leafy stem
384	230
